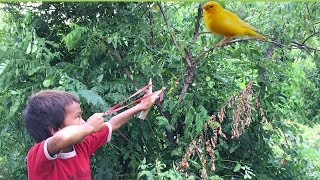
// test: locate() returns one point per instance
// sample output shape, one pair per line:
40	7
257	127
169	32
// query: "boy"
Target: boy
64	140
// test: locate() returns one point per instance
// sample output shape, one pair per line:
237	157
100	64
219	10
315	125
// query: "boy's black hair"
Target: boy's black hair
46	109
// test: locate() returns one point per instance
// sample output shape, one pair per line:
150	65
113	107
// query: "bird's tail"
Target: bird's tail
257	35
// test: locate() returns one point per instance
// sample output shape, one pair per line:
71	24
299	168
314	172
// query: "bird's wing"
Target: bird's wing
235	19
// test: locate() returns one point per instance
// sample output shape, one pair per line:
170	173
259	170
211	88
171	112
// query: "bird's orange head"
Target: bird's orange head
212	7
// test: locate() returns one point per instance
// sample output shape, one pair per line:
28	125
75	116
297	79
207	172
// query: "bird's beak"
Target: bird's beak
204	7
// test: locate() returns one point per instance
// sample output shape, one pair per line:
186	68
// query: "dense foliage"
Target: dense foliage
249	109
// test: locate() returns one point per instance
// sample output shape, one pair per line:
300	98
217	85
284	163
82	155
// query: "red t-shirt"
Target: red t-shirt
71	165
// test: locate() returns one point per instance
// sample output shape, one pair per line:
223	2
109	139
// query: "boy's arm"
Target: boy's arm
74	134
120	119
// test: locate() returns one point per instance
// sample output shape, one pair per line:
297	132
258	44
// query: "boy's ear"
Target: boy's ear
52	131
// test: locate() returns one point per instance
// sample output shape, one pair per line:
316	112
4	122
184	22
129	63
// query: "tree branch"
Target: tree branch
294	44
167	24
197	24
187	57
150	24
189	80
116	53
128	140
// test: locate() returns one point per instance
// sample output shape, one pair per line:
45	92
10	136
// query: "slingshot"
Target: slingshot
143	114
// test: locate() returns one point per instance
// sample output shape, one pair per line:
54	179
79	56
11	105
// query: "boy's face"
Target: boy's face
73	115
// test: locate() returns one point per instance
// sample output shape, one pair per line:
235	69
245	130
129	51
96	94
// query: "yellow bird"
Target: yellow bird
225	23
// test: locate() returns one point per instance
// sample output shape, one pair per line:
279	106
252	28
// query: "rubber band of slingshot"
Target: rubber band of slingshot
117	107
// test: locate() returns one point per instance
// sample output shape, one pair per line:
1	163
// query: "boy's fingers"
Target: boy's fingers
100	115
155	97
160	91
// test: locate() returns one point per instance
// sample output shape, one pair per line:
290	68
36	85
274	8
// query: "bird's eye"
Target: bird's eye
211	6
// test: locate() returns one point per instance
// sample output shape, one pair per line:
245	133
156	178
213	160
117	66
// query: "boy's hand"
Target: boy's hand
74	134
123	117
148	102
96	122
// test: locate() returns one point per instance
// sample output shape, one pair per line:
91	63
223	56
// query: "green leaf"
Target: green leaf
169	127
247	176
162	120
237	53
109	40
93	98
100	78
146	173
225	146
3	48
52	43
29	48
210	84
46	83
237	167
34	48
14	107
233	148
33	70
256	52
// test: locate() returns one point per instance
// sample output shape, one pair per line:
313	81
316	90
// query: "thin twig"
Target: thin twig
227	43
197	35
205	52
302	46
315	33
167	24
124	136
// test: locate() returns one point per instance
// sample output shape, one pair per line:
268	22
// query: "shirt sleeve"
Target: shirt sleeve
38	159
96	140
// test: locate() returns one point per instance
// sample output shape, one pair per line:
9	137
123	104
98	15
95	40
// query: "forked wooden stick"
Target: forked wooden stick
143	114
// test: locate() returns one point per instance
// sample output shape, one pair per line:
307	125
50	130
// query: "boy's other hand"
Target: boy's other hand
148	102
96	122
